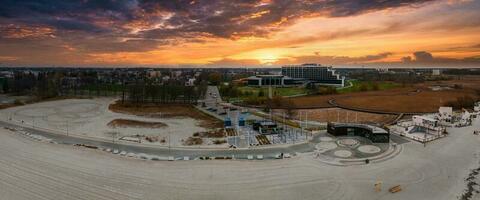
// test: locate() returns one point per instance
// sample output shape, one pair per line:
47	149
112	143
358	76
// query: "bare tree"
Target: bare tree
290	110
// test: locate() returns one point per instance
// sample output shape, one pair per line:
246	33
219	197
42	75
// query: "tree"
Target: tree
215	78
375	86
363	87
261	93
311	88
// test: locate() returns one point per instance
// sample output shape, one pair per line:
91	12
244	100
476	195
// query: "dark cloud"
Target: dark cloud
218	18
423	56
406	59
93	26
426	59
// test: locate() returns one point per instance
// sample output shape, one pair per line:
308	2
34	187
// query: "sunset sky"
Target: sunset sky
233	33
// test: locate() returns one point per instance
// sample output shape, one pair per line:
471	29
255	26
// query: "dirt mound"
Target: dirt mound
166	111
193	141
125	123
211	134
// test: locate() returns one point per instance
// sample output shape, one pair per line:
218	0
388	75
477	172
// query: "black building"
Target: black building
375	134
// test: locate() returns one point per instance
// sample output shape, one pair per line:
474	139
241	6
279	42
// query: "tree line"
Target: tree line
45	85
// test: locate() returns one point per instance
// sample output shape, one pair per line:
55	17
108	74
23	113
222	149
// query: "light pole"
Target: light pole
306	125
169	141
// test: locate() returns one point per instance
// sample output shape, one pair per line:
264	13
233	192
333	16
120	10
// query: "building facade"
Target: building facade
315	73
373	133
272	80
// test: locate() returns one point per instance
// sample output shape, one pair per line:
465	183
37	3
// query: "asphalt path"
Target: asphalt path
177	153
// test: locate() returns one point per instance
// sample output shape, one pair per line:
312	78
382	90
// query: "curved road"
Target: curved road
177	153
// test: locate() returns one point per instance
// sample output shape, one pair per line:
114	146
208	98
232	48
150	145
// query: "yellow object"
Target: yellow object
378	186
395	189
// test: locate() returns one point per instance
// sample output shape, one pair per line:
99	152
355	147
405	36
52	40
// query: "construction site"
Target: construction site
237	149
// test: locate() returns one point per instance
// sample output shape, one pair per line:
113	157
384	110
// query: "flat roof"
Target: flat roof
373	129
266	123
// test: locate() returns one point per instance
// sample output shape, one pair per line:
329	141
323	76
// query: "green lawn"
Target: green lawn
357	86
286	91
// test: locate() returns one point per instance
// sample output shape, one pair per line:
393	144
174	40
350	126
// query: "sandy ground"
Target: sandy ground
89	117
36	170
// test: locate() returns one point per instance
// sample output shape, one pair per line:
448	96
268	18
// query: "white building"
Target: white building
445	114
314	73
190	82
154	74
436	72
424	121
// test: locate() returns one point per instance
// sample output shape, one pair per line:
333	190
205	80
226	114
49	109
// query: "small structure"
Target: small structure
445	114
373	133
228	122
241	121
265	127
421	128
425	121
465	119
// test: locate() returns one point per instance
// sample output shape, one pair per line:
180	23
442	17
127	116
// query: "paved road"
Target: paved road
178	153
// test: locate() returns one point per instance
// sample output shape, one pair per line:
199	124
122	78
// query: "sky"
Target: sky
240	33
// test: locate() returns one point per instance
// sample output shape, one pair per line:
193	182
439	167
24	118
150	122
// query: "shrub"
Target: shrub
193	141
375	86
18	102
326	90
462	102
363	87
219	141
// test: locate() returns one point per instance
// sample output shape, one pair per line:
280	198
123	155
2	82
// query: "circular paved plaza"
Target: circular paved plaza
347	147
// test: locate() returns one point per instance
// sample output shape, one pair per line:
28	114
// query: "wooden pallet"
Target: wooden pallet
395	189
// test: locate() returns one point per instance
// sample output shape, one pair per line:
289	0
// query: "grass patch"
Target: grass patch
281	91
362	86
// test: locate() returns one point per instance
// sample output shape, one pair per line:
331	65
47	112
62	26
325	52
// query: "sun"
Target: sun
267	58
